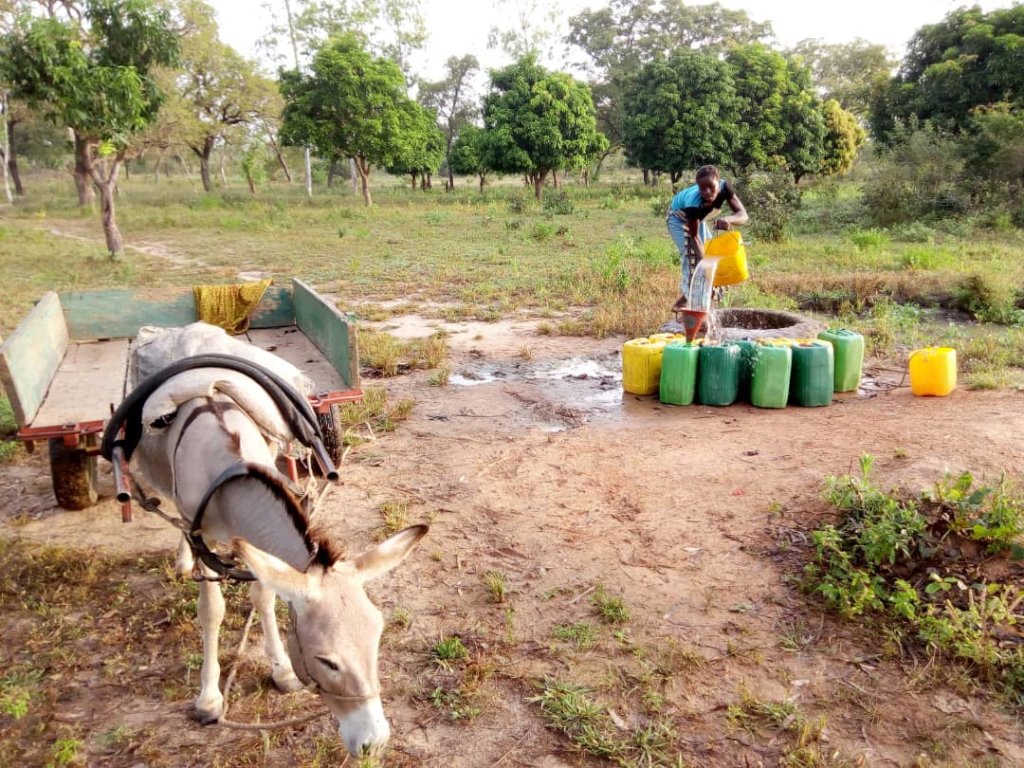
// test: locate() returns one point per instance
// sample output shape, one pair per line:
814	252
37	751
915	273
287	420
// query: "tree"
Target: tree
451	98
968	60
680	114
538	121
843	138
352	105
781	125
469	153
219	90
847	72
625	35
422	150
97	81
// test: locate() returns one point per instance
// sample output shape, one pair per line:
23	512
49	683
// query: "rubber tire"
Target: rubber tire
333	440
74	476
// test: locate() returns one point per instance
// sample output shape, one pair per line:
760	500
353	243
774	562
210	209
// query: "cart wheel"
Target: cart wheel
330	426
74	476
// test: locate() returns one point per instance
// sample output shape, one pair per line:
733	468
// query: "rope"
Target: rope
274	724
228	306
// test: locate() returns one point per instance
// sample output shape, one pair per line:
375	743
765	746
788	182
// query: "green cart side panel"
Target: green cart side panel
332	333
117	314
31	356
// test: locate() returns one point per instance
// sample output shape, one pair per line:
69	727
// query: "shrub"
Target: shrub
771	200
559	202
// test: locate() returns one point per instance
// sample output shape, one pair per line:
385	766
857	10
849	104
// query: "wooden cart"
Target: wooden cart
65	368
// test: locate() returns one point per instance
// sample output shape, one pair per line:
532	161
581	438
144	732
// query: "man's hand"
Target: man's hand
722	224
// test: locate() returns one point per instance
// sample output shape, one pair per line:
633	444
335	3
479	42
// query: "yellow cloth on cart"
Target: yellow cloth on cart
229	306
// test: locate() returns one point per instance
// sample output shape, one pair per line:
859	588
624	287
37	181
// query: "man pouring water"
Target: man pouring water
686	220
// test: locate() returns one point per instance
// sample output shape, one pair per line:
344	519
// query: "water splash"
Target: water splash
702	284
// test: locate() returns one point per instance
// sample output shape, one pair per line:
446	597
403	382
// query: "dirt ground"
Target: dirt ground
532	462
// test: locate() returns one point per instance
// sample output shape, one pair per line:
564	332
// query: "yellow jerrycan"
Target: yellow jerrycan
728	248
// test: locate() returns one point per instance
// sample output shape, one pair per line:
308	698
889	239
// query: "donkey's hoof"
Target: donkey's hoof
288	683
209	714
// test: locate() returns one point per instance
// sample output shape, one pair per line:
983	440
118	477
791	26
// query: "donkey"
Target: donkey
216	461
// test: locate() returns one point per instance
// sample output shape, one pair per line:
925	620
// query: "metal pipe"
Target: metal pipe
124	494
324	460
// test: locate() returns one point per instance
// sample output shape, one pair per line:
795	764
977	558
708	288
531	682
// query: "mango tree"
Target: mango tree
468	154
537	121
96	80
680	114
352	105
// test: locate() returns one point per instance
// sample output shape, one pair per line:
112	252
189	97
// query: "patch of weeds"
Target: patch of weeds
440	377
558	202
581	634
909	562
923	259
436	218
914	232
611	609
868	239
456	704
591	730
374	413
497	586
447	651
8	426
119	737
989	300
380	353
525	353
396	516
400	619
17	688
9	449
513	224
542	231
66	750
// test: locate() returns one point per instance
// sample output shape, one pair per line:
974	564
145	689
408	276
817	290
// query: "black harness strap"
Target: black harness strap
294	408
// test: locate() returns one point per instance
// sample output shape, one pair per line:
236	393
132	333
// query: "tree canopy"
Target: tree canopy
969	59
538	121
351	105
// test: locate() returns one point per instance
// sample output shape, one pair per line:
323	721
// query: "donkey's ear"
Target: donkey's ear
275	573
390	552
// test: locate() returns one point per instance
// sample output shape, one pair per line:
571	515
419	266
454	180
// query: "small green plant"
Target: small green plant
65	751
558	202
611	609
542	231
447	651
400	619
497	586
455	703
396	516
17	688
439	378
581	634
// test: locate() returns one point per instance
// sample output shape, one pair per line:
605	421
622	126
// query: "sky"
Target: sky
458	27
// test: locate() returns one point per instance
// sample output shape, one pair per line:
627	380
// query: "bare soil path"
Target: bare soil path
531	462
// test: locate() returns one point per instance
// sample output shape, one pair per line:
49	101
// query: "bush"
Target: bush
989	301
771	199
559	202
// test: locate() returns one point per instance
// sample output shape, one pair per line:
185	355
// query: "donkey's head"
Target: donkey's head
335	631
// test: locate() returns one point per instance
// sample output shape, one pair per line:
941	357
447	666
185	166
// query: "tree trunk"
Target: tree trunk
424	182
538	184
5	148
647	178
363	169
106	186
12	160
554	178
332	171
223	174
586	178
481	183
83	176
451	178
413	174
252	184
279	156
204	153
